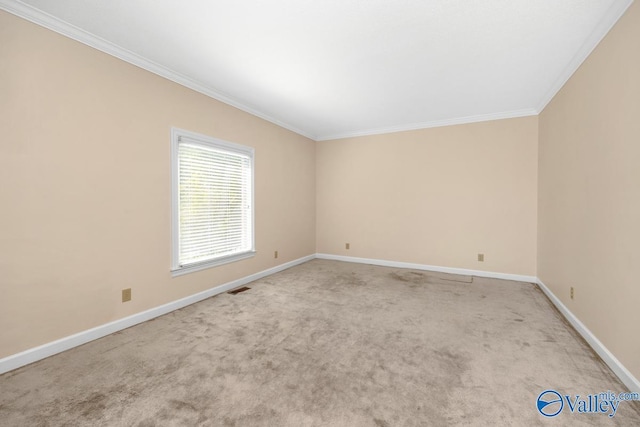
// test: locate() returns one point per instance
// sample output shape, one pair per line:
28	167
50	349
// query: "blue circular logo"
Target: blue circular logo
550	403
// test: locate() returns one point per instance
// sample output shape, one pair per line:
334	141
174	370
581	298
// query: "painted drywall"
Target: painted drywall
589	197
85	171
86	202
433	196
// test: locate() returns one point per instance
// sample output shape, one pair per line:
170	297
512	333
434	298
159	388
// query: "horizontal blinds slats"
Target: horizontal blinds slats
210	246
211	220
206	213
215	238
215	163
201	198
200	252
210	209
215	215
209	257
202	231
193	250
206	258
212	178
205	235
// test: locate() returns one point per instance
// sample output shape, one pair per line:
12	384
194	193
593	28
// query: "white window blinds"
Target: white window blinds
214	197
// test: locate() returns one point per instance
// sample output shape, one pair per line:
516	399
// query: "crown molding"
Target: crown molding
432	124
59	26
22	10
615	12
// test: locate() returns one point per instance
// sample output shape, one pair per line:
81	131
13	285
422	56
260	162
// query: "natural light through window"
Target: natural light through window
212	199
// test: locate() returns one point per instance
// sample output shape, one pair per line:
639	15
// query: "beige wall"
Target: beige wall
433	196
589	192
85	194
85	168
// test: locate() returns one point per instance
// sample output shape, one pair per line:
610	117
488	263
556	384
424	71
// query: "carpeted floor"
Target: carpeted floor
326	344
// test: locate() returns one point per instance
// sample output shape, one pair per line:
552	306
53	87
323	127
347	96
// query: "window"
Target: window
212	201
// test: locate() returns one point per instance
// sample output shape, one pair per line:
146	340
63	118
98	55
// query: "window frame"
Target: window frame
176	135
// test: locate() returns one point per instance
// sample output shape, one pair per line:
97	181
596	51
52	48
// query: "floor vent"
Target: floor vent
237	291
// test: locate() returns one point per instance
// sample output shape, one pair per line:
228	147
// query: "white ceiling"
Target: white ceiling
335	68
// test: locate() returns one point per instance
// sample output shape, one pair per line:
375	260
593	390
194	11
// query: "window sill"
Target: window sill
180	271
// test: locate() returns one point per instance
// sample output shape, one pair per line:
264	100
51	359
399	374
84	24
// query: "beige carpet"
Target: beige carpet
326	344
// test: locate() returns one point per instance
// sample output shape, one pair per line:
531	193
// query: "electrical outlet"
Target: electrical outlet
275	254
571	292
481	257
347	245
126	295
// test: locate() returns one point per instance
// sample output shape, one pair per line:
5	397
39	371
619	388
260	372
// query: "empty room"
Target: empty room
297	213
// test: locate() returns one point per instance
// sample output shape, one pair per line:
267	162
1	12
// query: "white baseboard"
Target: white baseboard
618	368
450	270
38	353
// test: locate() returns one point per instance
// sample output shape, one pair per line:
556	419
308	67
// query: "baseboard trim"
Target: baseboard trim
26	357
451	270
616	366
